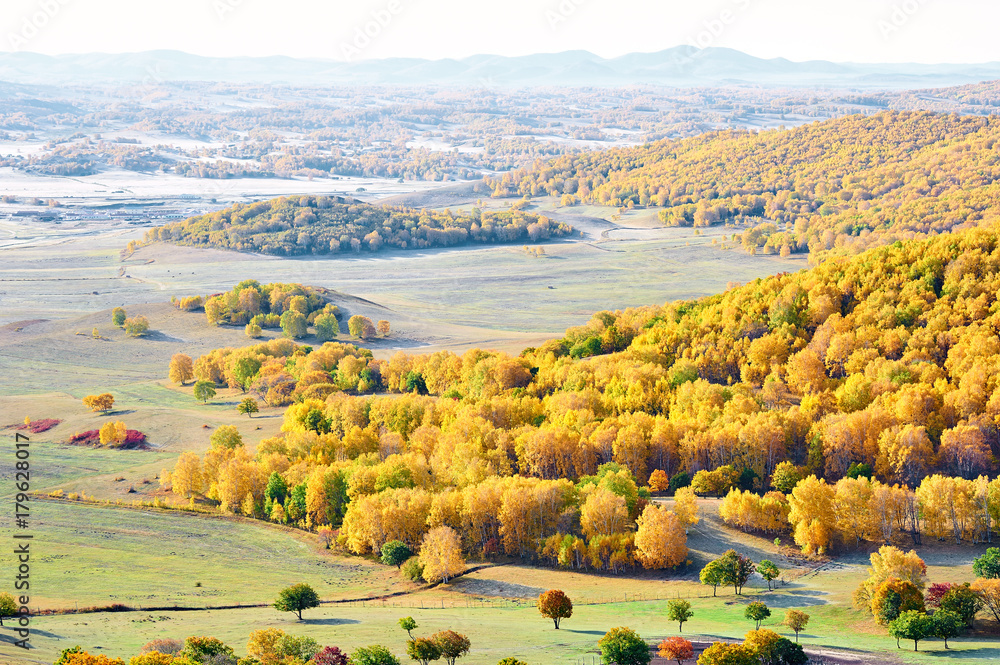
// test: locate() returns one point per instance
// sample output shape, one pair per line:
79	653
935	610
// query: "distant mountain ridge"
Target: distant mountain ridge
681	66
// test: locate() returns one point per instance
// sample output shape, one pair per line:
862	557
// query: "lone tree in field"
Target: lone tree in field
423	650
623	646
204	390
677	649
296	598
797	620
181	368
103	402
395	553
757	612
452	645
383	328
136	326
555	605
768	571
409	625
248	406
680	611
8	608
118	316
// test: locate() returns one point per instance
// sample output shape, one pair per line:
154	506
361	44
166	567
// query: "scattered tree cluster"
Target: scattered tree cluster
834	187
290	226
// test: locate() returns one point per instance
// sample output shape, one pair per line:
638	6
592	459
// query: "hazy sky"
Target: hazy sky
840	30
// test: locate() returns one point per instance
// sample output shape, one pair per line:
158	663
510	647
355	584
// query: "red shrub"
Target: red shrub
133	439
39	426
936	592
89	438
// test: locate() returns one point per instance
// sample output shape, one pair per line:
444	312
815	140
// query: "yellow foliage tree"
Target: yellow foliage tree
113	433
686	506
660	540
603	514
441	555
102	402
181	368
812	516
186	479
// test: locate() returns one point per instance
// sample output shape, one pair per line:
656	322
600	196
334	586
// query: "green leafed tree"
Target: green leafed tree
327	327
361	327
736	569
376	654
768	571
409	625
912	625
757	612
8	607
962	601
136	326
948	625
248	406
713	575
226	436
395	553
204	390
987	565
296	598
245	370
623	646
679	610
118	316
423	650
293	324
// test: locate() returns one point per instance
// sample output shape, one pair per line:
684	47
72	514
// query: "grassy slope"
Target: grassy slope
86	549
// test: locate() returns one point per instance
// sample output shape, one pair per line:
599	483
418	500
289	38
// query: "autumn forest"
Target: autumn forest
699	390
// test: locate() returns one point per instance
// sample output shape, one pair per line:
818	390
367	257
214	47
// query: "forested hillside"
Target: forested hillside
323	225
888	360
840	186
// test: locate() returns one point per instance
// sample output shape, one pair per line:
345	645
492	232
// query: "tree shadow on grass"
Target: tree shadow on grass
157	336
329	622
584	632
9	636
991	655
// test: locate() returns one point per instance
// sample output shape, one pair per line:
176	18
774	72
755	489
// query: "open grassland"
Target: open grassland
95	555
492	297
496	631
156	558
169	415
